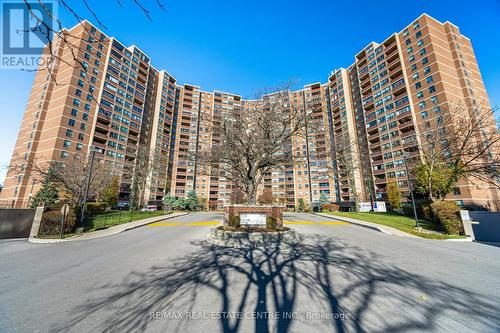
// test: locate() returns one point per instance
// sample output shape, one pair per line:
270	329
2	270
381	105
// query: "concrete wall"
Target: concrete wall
16	223
486	226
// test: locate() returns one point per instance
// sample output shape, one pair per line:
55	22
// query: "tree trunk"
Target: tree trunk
251	193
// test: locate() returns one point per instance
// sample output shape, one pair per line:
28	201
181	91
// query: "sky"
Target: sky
244	46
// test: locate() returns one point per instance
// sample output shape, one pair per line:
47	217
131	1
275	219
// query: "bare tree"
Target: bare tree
70	175
145	168
251	144
460	142
266	198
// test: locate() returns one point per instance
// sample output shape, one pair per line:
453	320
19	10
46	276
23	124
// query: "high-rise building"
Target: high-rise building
367	116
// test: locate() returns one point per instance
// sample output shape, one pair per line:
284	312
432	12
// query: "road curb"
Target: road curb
119	228
353	221
460	240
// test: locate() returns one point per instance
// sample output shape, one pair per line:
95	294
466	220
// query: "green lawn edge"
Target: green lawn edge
112	219
396	221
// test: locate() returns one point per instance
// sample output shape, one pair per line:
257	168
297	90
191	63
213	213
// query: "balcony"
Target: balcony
365	82
404	115
366	91
102	137
398	86
394	68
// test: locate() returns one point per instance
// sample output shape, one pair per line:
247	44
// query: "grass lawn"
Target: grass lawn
109	219
399	222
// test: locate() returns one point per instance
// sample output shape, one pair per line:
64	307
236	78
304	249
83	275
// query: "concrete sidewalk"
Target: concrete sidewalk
382	228
108	231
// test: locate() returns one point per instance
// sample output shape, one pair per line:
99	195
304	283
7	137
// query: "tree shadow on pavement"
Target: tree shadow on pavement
320	274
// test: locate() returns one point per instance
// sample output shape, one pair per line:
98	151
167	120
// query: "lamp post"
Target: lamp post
93	150
410	187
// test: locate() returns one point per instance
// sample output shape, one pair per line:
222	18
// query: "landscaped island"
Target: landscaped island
252	225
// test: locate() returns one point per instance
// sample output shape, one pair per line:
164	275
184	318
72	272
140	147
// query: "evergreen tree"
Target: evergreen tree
191	201
48	194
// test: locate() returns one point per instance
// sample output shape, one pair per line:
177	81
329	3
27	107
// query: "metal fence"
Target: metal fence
52	220
102	220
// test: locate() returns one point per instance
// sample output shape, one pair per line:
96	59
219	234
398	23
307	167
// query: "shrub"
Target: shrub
96	207
51	221
270	223
425	212
330	207
446	214
302	205
235	222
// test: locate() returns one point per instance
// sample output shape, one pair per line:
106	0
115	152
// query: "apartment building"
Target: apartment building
366	117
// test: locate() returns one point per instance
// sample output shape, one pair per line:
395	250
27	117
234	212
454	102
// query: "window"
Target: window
411	58
432	89
79	146
76	102
80	83
71	122
429	79
420	43
418	34
422	51
81	136
74	112
413	67
418	85
427	70
408	41
456	191
85	116
416	25
83	127
415	76
424	115
78	92
425	61
67	144
69	133
434	99
420	94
